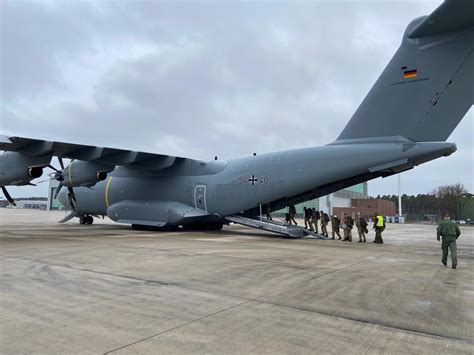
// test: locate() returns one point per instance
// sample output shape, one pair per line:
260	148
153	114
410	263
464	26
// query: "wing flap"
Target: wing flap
111	156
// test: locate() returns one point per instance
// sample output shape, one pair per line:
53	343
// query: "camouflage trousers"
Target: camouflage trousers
348	234
335	231
451	245
361	233
324	230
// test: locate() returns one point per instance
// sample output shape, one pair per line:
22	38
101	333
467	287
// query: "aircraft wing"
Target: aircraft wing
110	156
450	16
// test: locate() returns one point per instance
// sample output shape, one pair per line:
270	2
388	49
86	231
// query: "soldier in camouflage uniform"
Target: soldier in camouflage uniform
450	232
292	214
348	225
315	216
361	225
324	223
336	224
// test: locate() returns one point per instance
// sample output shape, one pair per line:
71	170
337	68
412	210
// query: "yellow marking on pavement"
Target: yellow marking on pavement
107	192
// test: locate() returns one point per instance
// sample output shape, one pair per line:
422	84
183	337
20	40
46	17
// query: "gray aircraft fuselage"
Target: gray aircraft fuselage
229	187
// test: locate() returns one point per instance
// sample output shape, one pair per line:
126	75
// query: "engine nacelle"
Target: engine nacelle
85	173
19	169
35	172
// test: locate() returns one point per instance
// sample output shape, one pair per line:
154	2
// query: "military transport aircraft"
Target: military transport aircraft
419	99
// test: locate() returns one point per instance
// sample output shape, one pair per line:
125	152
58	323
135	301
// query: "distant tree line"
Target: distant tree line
450	199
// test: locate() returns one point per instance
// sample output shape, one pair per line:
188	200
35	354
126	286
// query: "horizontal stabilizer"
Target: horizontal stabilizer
387	166
451	16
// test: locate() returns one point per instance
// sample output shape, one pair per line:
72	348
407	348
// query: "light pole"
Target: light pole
399	195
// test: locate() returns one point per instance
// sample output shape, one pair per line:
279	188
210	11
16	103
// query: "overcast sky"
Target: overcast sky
199	79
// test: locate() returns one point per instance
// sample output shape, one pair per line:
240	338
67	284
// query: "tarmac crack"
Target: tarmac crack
333	271
177	327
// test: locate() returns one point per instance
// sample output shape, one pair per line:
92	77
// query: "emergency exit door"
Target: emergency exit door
200	197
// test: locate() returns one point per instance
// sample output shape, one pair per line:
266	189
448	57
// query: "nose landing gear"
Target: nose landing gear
86	219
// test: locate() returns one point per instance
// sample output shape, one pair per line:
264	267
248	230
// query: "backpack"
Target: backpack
350	222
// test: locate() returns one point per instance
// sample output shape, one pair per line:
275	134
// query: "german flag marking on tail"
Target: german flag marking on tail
409	74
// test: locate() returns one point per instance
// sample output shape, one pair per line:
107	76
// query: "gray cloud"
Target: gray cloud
203	79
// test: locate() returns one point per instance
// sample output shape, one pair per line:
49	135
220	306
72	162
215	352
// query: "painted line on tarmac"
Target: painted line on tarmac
177	327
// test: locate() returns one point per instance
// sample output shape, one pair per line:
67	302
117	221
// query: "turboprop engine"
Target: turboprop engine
81	173
20	169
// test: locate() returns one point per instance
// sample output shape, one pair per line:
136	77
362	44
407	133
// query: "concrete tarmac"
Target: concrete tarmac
105	288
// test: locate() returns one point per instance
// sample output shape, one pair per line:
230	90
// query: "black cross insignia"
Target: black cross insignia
253	180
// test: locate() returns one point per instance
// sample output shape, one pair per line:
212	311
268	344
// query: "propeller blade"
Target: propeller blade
61	163
53	168
71	202
71	192
7	195
57	191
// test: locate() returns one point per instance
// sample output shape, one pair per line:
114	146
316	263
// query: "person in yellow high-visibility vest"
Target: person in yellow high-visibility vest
379	226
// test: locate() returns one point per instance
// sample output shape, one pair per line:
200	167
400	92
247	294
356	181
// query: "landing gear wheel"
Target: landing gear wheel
138	227
213	226
218	226
86	219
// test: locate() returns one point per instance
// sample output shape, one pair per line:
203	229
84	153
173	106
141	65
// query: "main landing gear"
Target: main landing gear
86	219
203	227
140	227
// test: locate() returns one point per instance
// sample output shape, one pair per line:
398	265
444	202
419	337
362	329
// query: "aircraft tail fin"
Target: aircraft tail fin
428	86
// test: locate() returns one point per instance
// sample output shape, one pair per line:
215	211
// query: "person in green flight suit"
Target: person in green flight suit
450	232
379	226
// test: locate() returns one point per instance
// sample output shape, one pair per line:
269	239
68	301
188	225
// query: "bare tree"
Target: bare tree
452	199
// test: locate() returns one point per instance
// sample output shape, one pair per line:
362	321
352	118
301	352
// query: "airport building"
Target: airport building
367	207
33	204
338	199
348	201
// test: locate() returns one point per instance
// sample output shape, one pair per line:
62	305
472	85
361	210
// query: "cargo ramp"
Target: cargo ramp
285	229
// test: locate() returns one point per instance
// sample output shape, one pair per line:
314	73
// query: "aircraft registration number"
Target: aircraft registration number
252	180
